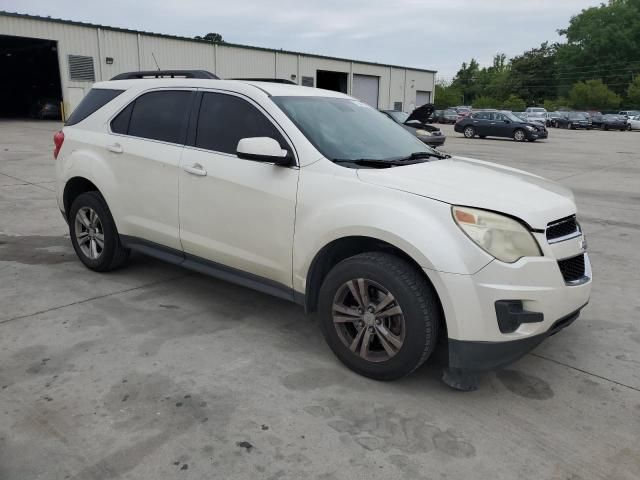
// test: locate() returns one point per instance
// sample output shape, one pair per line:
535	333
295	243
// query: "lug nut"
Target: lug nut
371	309
378	321
360	311
371	329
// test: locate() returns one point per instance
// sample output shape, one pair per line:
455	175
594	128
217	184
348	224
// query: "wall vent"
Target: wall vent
81	68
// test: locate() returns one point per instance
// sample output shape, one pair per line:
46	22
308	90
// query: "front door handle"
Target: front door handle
195	169
115	148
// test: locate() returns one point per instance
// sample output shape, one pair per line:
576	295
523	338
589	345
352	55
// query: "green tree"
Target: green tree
514	103
593	95
485	102
532	74
211	37
447	96
602	42
633	94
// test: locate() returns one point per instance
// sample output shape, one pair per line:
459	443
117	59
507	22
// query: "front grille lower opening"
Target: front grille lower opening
573	268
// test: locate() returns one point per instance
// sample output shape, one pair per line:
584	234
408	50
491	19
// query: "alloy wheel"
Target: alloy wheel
89	233
519	135
368	319
469	132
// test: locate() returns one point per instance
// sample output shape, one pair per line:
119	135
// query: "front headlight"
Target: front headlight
500	236
530	128
423	133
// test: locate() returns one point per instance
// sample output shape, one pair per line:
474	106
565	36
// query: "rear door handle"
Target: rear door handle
115	148
195	169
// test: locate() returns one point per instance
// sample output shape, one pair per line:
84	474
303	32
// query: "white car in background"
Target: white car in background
634	122
317	198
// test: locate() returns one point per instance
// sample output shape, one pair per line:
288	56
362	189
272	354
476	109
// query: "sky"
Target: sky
433	34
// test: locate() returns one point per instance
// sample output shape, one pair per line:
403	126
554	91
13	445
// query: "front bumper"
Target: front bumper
537	134
434	140
477	339
481	356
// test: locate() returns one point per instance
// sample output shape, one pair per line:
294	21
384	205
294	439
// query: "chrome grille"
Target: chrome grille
561	229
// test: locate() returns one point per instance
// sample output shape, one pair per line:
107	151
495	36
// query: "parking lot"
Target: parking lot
155	372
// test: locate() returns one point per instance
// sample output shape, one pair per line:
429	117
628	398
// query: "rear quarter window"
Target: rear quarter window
91	103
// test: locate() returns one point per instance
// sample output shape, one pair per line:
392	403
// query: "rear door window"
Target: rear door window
161	115
226	119
91	103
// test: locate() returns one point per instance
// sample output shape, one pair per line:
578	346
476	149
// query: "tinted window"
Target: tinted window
481	116
120	124
160	116
92	102
225	119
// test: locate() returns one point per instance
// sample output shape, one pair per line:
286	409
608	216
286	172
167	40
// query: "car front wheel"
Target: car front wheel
519	135
94	235
469	132
379	315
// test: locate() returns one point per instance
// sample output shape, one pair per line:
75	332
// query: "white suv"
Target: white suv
315	197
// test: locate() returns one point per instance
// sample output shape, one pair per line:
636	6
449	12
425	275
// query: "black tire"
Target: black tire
519	135
602	127
413	294
113	255
469	131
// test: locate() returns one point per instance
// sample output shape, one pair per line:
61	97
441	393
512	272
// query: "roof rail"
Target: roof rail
165	74
271	80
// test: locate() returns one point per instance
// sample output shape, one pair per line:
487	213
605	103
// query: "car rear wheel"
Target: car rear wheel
94	235
379	315
519	135
469	132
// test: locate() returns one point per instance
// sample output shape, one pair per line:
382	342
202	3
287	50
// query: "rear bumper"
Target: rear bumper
481	356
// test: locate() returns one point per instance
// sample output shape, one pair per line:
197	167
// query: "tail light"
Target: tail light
58	139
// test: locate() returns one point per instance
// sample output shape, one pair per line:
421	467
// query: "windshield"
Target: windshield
399	117
347	129
511	116
450	112
578	116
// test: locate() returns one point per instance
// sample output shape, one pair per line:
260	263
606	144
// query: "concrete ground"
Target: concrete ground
154	372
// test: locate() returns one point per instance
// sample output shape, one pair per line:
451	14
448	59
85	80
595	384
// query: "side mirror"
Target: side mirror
263	149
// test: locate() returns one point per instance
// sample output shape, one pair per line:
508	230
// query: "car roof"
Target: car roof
270	88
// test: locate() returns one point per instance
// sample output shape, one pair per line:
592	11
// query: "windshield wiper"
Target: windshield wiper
419	155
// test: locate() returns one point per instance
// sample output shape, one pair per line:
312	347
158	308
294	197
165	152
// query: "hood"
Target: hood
474	183
422	113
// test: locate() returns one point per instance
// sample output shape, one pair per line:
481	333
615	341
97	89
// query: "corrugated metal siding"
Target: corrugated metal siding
287	65
123	48
176	54
236	62
132	51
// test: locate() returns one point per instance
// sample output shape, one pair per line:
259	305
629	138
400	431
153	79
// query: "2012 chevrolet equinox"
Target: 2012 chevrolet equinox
315	197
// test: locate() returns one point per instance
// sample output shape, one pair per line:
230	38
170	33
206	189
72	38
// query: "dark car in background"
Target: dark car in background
448	115
552	118
47	109
610	122
574	120
417	124
500	124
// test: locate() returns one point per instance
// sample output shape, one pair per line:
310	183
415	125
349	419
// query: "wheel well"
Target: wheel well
343	248
74	187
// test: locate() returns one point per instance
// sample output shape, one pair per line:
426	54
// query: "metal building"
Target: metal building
46	60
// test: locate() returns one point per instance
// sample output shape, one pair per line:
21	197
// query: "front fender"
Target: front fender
331	207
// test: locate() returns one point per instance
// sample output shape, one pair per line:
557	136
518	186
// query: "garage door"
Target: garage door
422	97
365	88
